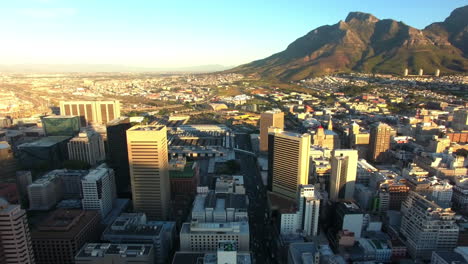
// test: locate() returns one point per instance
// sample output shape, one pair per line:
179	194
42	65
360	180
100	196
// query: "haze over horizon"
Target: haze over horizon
147	34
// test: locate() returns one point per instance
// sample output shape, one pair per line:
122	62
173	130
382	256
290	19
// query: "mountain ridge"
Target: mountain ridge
365	43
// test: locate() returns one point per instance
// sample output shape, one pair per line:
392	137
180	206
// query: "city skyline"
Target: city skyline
181	34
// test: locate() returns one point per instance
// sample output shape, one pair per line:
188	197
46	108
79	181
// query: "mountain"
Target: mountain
364	43
80	68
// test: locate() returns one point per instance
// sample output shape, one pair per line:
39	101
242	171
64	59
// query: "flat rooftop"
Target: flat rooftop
63	224
97	250
146	128
45	142
187	172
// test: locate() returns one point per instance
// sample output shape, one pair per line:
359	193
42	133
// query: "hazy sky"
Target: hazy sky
172	33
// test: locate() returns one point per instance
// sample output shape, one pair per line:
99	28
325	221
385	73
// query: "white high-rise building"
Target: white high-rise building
88	146
15	239
343	176
427	227
305	220
99	190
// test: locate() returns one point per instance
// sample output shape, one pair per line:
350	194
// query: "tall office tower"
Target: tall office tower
8	164
269	119
99	112
88	146
380	135
99	190
15	239
23	180
288	161
118	153
460	119
343	176
149	174
427	227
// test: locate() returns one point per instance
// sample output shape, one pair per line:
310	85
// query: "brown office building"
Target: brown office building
149	170
99	112
58	238
380	136
269	119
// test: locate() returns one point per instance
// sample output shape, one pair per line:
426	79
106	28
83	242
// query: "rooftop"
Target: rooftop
218	228
44	142
124	250
147	128
63	224
187	172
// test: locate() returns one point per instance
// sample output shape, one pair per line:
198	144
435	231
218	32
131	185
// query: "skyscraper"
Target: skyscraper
148	159
99	112
99	190
288	159
15	239
269	119
380	134
88	146
118	153
427	227
343	176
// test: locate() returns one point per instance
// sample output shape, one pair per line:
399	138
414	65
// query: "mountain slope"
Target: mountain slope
366	44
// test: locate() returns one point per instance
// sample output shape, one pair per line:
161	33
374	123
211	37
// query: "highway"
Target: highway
260	235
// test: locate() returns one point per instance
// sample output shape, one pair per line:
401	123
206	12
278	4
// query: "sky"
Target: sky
176	33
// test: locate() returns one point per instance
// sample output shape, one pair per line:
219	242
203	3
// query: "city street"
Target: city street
260	237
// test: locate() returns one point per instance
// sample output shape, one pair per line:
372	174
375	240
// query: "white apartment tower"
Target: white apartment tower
99	190
343	176
88	146
15	239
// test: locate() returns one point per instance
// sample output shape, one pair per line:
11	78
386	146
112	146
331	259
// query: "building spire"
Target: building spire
330	123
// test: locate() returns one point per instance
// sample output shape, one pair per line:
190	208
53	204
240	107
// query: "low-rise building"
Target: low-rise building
134	228
204	237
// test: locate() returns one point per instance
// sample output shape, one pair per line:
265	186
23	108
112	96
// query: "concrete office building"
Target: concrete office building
105	253
90	112
220	207
148	159
269	119
135	228
343	176
15	239
99	190
379	142
204	237
118	153
58	238
288	162
427	227
45	192
88	146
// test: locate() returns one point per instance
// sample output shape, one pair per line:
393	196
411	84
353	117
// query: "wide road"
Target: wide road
260	236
